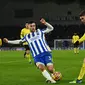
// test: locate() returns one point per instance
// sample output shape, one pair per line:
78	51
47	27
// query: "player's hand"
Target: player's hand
5	40
43	21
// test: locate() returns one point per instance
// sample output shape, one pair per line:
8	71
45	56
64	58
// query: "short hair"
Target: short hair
30	22
82	13
75	33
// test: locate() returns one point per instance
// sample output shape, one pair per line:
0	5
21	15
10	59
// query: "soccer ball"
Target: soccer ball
56	76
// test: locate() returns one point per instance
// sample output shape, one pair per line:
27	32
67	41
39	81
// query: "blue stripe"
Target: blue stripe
28	35
24	38
33	49
37	46
33	34
41	45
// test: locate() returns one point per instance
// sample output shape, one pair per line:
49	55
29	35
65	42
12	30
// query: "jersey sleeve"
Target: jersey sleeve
21	34
17	41
48	29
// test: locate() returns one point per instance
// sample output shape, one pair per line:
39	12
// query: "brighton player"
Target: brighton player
82	71
39	49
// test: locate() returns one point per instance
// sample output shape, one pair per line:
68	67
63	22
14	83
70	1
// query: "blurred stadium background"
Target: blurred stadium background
63	15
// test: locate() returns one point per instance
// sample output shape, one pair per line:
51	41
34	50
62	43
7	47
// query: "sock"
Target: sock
28	57
46	75
77	50
74	50
82	72
82	38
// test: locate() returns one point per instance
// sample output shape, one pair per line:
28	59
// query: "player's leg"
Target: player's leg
77	47
49	63
81	74
27	53
77	50
41	65
82	71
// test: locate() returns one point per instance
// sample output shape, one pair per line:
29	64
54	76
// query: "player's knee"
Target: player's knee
27	51
41	67
50	69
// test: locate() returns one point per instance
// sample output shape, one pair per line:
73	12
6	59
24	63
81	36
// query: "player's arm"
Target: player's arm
21	34
49	26
14	41
82	38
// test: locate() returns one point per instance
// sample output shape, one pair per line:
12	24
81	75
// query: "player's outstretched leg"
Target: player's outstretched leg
81	74
45	73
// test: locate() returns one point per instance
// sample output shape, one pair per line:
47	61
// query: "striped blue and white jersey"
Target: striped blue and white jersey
37	43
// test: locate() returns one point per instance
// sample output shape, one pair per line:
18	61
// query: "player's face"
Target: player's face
82	18
33	27
27	25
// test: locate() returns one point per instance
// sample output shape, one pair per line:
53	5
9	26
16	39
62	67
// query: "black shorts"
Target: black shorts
26	47
76	45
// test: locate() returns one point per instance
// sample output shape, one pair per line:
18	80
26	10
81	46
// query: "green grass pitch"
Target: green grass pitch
15	70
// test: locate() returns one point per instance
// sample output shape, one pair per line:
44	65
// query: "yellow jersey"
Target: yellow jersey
75	38
24	31
0	42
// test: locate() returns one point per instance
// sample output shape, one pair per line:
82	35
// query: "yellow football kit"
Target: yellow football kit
25	31
75	38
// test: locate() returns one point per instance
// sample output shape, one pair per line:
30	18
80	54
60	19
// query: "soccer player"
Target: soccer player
38	47
0	42
25	31
82	71
75	38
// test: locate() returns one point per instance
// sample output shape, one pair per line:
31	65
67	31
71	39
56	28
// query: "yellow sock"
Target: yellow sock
28	57
82	72
77	50
82	38
74	50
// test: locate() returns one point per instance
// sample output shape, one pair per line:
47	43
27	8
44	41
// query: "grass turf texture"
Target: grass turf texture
15	70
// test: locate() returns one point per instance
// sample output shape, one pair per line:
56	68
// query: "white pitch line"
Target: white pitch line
11	61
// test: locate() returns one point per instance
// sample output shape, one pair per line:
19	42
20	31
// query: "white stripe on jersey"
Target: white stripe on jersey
40	46
30	45
35	47
36	42
43	43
